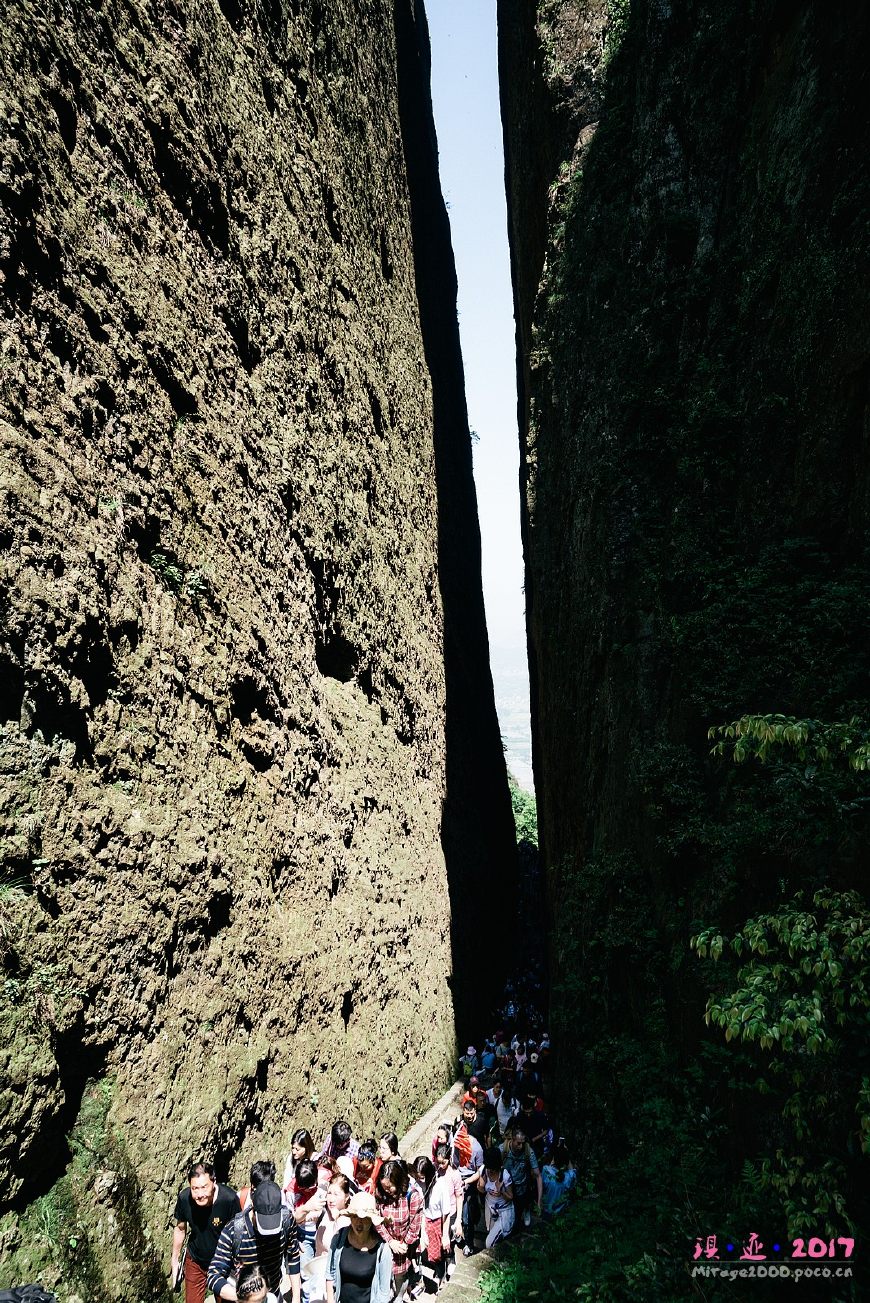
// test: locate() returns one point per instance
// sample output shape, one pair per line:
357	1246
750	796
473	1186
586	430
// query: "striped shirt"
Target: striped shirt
240	1245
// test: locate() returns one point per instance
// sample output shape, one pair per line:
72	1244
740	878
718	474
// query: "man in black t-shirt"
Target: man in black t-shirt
203	1209
475	1124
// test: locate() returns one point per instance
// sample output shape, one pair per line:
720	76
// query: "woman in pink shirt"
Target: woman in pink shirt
449	1177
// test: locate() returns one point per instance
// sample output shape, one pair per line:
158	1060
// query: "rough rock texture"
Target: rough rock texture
689	206
235	523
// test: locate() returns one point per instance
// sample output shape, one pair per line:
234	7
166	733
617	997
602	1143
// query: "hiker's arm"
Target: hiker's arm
221	1267
316	1203
295	1288
177	1245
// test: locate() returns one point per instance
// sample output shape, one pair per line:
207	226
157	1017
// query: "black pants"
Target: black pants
470	1214
522	1201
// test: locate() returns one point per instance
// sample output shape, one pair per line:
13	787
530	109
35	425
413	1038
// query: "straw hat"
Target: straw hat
363	1205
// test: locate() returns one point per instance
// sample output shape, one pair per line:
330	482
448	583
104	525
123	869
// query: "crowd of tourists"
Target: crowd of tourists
356	1222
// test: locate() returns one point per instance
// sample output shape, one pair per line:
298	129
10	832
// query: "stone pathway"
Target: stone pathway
464	1286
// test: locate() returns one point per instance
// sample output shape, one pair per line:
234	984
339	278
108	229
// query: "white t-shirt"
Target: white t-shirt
439	1200
495	1199
504	1111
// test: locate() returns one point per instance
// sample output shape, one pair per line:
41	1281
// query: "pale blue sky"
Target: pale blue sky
467	118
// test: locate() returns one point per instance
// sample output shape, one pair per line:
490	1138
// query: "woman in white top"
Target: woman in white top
505	1104
435	1237
301	1146
451	1181
495	1184
333	1219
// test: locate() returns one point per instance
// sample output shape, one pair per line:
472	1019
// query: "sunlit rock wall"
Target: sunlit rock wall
225	752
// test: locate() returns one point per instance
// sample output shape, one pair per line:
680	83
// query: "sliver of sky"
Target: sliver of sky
471	160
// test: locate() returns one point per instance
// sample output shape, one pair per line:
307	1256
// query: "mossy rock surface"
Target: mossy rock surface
224	705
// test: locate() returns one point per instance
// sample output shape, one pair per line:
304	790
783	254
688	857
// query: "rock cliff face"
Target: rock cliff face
688	205
243	666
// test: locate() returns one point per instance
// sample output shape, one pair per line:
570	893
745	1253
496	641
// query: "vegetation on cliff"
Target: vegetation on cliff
694	398
525	813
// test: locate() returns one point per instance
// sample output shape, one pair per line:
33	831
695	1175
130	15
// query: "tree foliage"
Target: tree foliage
525	812
763	737
807	974
797	991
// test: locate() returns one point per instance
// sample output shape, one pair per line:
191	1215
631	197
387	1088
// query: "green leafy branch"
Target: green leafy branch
765	737
809	973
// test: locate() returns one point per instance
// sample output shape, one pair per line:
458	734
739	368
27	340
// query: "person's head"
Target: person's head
388	1146
492	1158
496	1088
529	1102
301	1145
363	1213
340	1136
305	1176
262	1171
424	1170
392	1182
469	1110
480	1097
200	1178
338	1194
442	1158
517	1140
267	1205
365	1160
251	1284
444	1134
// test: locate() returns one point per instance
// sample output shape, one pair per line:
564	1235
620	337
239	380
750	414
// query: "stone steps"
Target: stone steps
464	1285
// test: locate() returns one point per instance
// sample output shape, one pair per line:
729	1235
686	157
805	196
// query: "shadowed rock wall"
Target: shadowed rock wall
477	827
693	362
227	736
